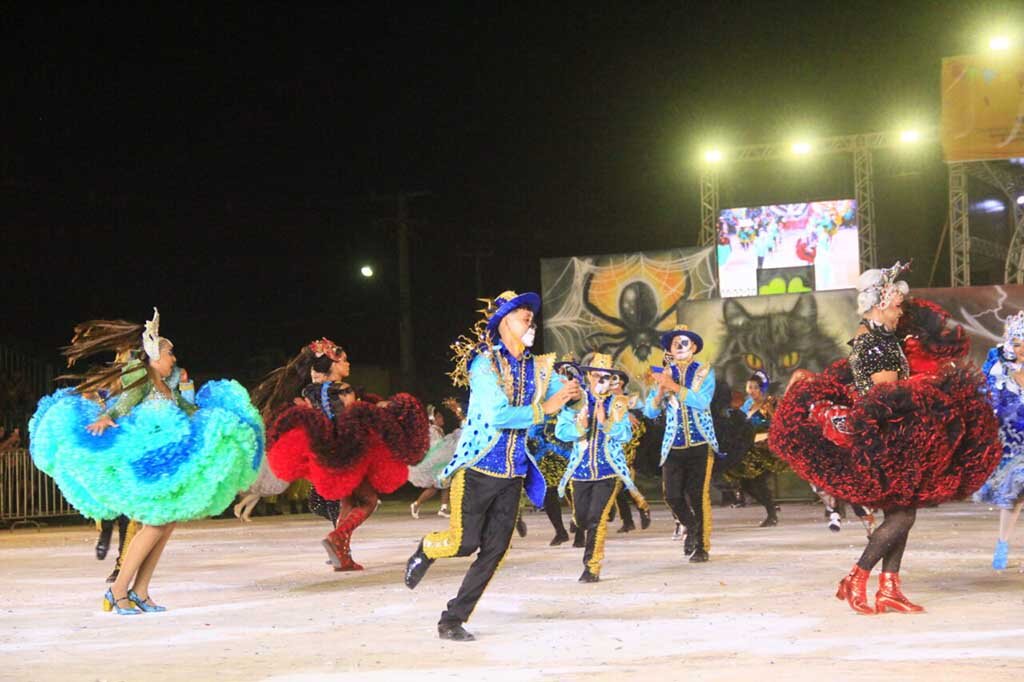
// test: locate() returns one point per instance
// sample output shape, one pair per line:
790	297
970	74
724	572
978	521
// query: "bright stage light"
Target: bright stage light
1020	200
801	148
366	271
909	136
999	43
713	156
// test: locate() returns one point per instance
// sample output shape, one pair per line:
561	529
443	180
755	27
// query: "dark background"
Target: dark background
233	167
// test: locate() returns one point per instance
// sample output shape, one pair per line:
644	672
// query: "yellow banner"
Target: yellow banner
983	106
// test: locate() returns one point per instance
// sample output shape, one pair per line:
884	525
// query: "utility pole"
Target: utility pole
407	359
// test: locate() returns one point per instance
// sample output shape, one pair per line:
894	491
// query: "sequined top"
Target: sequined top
594	441
138	387
876	351
700	384
507	457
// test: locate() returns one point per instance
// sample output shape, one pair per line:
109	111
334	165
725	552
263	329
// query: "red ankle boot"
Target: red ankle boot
889	595
337	544
854	589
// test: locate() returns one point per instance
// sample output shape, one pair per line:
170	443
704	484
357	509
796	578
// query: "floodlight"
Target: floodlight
999	43
366	271
801	148
713	156
909	136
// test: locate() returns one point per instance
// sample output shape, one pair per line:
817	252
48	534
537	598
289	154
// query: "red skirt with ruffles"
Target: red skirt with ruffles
913	443
364	443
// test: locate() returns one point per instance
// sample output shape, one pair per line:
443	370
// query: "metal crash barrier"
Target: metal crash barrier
26	493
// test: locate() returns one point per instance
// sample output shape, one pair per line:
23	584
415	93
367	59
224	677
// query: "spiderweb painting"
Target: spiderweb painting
620	304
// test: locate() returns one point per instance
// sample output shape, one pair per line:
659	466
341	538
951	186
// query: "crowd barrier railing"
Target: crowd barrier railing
26	493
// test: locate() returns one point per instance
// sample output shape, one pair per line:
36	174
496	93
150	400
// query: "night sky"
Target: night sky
234	168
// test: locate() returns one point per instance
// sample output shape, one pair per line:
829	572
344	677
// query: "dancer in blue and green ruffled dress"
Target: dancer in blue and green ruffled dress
145	452
1005	487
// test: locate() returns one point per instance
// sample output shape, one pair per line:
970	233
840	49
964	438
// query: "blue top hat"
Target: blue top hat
682	330
505	303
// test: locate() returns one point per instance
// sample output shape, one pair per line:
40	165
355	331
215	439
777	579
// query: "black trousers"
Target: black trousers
686	483
594	500
483	517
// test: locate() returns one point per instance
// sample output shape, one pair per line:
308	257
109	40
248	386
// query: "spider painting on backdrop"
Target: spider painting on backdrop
620	304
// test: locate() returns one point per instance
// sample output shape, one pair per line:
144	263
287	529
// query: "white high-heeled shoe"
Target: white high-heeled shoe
414	509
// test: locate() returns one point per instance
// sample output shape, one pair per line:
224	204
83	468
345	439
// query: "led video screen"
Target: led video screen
788	248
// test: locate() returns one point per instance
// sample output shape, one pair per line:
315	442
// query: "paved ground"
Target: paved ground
256	602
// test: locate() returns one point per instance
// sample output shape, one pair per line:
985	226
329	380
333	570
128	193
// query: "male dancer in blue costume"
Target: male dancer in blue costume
683	390
598	426
510	391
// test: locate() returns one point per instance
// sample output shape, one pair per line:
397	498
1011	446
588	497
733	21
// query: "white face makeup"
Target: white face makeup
528	337
682	349
1015	348
600	383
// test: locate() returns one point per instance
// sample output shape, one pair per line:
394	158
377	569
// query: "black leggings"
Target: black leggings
889	540
760	489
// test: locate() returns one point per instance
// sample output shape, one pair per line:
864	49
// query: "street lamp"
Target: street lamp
366	271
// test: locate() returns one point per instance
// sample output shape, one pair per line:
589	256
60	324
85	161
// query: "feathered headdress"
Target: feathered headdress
151	336
324	346
1014	330
879	287
467	347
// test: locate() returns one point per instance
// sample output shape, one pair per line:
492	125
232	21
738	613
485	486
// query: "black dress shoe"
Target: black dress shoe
103	543
454	632
770	521
699	557
579	539
645	519
559	539
521	527
113	575
689	544
416	567
572	527
625	528
589	577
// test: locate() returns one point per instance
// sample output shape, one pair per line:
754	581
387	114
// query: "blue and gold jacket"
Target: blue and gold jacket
688	417
505	398
597	450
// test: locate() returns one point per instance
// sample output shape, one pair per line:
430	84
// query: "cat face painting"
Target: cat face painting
777	342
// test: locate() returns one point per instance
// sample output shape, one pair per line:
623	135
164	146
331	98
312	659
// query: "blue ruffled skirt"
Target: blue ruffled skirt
159	464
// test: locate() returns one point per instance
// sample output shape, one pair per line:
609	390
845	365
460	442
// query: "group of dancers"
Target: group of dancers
904	422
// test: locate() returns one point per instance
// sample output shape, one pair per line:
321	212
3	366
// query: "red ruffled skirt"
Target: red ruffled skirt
913	443
364	443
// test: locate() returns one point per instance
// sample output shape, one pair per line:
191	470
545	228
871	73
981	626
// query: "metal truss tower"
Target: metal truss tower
859	146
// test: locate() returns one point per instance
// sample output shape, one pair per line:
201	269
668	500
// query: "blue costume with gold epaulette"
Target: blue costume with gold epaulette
597	455
507	392
505	397
689	446
688	421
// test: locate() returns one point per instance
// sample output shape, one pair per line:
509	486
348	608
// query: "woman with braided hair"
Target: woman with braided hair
349	449
902	424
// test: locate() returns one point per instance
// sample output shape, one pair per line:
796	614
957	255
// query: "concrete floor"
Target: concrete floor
257	602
